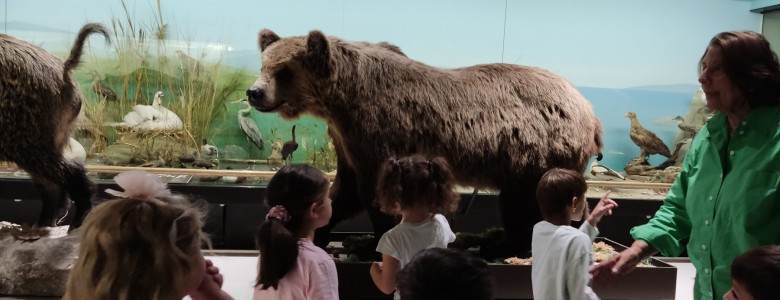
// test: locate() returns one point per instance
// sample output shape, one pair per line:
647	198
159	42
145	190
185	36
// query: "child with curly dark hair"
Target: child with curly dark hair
418	190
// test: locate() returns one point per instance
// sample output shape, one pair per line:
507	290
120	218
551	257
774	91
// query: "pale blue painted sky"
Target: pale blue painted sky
599	43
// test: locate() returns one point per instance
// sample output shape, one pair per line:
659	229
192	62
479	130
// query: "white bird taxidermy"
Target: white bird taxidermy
598	170
74	151
151	117
208	150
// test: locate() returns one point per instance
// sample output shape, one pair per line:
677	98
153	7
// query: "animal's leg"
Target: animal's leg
379	220
54	201
519	213
346	202
80	189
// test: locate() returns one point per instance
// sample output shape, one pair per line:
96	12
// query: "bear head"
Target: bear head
295	72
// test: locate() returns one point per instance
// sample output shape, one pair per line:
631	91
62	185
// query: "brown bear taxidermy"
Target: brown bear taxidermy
500	126
39	103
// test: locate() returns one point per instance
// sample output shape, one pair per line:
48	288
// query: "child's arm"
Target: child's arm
383	273
577	276
603	208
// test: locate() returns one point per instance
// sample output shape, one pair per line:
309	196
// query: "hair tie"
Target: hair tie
140	185
280	213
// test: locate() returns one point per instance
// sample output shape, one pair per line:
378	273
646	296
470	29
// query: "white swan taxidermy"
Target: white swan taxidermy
151	117
74	151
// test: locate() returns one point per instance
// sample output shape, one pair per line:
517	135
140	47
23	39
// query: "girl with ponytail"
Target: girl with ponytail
290	265
418	190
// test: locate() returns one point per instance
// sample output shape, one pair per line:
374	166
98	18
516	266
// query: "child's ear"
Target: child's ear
574	201
312	211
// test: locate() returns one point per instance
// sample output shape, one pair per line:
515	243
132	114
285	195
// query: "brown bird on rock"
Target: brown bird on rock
102	90
648	142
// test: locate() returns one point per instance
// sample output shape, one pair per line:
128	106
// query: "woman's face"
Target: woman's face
722	94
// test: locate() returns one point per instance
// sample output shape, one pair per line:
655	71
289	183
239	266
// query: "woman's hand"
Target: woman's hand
624	262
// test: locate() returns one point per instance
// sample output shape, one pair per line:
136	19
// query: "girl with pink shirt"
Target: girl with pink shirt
290	265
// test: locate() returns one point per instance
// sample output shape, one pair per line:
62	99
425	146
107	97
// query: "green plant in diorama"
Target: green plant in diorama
195	94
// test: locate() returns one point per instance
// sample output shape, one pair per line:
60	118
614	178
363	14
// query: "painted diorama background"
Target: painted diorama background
623	56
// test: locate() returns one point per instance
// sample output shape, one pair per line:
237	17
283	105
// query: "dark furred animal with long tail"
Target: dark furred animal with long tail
39	103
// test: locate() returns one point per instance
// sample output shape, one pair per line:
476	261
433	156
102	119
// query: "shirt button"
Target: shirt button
732	152
711	196
704	247
741	132
744	122
706	271
706	222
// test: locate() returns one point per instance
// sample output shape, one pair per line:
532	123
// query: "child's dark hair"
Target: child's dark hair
556	189
295	188
438	273
758	270
415	180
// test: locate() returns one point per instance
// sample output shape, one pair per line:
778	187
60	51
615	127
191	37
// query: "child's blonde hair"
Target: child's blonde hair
138	246
416	181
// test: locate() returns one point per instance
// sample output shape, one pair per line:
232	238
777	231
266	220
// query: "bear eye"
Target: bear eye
284	75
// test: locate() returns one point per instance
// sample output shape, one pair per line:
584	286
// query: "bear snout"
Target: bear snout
254	94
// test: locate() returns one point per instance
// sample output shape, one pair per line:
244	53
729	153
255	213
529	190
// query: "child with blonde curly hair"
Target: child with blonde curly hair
145	244
418	190
290	265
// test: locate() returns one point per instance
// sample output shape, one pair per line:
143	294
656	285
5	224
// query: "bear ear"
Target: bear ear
265	38
318	53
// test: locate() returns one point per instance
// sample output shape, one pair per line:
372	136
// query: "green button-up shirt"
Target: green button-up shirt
725	199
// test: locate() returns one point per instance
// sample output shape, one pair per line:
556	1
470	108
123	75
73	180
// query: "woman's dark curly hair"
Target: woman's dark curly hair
416	181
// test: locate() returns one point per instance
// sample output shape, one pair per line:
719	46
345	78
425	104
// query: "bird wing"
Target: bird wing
252	132
649	142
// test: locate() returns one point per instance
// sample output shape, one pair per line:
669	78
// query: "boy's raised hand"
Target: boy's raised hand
603	208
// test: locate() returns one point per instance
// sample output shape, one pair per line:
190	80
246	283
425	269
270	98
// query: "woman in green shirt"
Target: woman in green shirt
726	197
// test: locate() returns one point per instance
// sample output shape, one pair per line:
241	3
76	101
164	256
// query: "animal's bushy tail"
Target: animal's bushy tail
75	52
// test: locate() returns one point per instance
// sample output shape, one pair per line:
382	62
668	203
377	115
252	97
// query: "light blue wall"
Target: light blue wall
600	43
623	55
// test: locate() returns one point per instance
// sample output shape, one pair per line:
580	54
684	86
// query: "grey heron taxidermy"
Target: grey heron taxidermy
692	129
248	125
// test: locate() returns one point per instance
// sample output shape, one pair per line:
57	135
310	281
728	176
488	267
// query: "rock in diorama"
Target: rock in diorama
500	126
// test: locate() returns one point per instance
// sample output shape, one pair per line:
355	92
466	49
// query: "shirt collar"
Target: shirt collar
763	120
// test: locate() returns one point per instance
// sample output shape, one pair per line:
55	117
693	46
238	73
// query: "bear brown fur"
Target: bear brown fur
39	103
500	126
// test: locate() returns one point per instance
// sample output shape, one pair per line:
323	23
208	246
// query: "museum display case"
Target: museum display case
169	96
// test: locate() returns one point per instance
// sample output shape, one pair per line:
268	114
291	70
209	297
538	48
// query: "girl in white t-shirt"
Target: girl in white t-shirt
418	190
